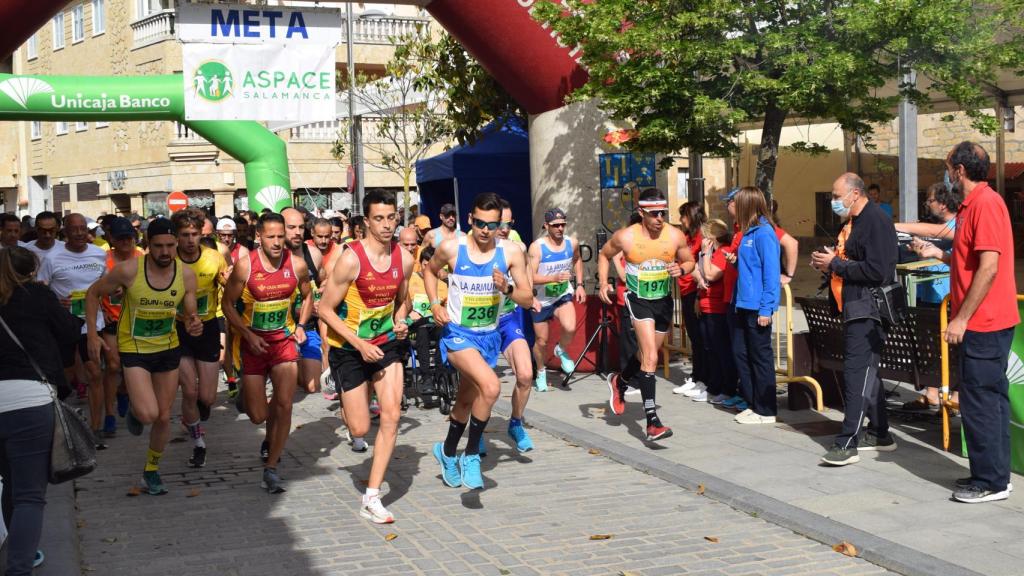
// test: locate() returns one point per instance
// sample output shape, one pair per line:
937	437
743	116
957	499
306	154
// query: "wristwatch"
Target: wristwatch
509	289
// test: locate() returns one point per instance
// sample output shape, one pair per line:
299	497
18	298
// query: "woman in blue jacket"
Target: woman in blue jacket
756	299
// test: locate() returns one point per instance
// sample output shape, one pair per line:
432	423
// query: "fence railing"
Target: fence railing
156	27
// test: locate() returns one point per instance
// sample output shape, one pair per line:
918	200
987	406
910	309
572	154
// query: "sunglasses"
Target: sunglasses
492	226
505	225
657	213
557	225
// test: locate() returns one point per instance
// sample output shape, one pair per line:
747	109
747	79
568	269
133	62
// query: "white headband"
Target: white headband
646	204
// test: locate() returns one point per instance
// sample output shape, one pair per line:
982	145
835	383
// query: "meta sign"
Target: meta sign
248	24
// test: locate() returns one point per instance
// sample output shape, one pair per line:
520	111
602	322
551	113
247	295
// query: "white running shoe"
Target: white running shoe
685	387
702	397
630	391
697	390
359	445
375	512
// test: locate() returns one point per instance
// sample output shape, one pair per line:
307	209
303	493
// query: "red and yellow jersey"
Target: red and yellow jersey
267	297
369	305
112	304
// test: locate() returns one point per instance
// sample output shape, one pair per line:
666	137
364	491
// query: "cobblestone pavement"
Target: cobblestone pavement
536	514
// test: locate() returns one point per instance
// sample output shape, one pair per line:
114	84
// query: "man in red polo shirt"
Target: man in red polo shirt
984	307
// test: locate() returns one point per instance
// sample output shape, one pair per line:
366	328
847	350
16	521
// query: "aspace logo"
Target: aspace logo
287	85
213	81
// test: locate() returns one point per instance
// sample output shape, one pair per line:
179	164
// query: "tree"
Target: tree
690	74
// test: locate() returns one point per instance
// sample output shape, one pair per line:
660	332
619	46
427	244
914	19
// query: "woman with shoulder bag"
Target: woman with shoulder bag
45	328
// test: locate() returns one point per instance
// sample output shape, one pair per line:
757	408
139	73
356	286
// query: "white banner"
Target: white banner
265	82
249	24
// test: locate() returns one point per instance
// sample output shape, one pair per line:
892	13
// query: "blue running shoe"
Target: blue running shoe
39	559
518	433
483	447
741	406
732	402
122	405
449	466
567	363
470	466
540	384
152	484
109	426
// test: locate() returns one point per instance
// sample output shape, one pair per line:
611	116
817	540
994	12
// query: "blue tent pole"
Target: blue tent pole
458	214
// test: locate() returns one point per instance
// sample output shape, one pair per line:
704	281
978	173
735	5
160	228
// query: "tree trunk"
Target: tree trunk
405	197
768	156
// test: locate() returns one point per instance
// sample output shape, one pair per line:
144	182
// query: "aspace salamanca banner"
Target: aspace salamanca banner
265	82
249	24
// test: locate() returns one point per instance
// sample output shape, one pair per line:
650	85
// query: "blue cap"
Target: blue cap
730	195
121	228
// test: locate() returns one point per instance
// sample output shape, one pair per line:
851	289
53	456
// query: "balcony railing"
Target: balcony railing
184	135
156	27
316	132
380	30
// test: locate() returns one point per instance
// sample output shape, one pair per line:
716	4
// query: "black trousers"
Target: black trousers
985	406
755	363
741	382
628	346
721	367
699	372
863	392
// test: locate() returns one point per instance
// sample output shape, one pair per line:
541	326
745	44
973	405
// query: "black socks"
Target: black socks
629	372
646	384
476	431
451	443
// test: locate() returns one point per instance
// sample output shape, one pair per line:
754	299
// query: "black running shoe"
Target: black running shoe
198	459
132	423
240	399
265	451
204	410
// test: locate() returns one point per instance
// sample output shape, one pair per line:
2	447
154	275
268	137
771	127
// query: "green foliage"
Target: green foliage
692	73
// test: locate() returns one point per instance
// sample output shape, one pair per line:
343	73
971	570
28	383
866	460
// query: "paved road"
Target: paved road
535	516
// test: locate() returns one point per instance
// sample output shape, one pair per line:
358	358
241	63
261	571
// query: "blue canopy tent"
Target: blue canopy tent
498	162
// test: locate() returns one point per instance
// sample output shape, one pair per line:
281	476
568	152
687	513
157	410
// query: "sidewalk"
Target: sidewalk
901	497
536	515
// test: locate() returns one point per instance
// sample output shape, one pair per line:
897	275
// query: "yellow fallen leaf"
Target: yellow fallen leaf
594	451
601	536
110	540
700	489
134	491
712	539
390	536
846	548
625	573
81	523
192	493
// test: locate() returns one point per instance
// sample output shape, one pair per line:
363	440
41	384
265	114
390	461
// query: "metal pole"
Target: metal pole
355	128
696	178
458	215
908	154
1001	149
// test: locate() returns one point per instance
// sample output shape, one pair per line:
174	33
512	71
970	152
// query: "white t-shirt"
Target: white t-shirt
69	274
39	251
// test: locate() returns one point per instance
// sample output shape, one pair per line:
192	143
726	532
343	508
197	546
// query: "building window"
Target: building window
61	128
58	31
102	124
78	23
33	46
81	126
148	7
37	129
99	17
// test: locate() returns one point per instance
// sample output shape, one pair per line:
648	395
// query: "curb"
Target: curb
879	551
59	540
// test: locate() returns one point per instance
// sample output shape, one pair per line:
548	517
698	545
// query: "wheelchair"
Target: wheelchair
428	382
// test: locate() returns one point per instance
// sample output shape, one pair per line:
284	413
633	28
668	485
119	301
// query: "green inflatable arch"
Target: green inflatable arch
115	98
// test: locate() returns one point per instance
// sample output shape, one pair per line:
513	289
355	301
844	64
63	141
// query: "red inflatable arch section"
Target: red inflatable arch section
523	56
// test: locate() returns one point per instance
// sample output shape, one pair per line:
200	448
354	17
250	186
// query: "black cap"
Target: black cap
447	209
121	228
158	227
553	214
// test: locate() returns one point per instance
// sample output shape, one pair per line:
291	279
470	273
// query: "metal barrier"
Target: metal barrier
677	325
786	374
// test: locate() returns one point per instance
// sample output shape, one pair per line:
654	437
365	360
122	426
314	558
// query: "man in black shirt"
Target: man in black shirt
865	258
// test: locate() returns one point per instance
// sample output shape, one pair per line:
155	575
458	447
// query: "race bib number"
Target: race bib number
479	311
152	323
508	307
269	316
202	304
115	298
421	305
78	303
652	284
556	289
375	321
317	294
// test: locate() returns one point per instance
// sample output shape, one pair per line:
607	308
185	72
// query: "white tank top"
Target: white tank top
473	300
551	263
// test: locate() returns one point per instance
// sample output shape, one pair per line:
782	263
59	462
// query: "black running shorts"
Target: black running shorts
660	311
349	371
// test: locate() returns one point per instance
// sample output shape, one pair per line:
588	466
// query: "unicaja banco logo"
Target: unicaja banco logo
22	88
212	81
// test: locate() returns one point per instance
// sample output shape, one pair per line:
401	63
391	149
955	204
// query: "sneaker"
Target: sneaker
751	417
741	406
972	494
964	482
374	409
684	387
540	384
204	410
630	391
871	442
109	426
837	456
375	512
701	397
449	466
240	399
745	412
122	405
265	451
658	432
522	439
567	363
39	559
232	388
698	387
718	399
359	445
99	444
271	481
732	401
329	396
135	427
616	399
198	459
152	484
469	464
327	385
482	449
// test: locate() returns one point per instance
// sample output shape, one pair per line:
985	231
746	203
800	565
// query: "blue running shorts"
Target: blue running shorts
310	349
456	338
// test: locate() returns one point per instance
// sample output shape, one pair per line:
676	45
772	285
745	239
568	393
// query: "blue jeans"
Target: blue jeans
26	437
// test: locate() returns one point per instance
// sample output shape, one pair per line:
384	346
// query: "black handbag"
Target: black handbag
73	453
